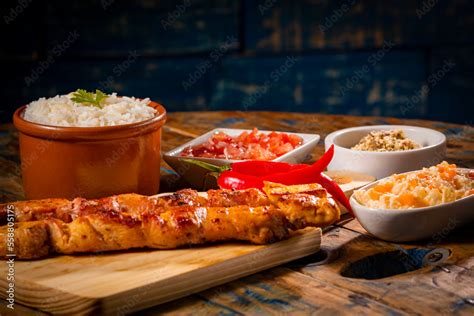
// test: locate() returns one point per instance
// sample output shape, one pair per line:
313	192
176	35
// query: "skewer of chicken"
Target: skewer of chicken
134	204
186	218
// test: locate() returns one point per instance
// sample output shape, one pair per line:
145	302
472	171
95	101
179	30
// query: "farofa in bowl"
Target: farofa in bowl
382	140
431	186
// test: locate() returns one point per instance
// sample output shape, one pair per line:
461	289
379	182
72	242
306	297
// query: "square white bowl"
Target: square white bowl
196	176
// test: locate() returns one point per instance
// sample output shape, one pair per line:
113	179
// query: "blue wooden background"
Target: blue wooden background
407	58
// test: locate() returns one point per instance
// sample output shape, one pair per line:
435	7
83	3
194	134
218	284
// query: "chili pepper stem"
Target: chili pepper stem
207	166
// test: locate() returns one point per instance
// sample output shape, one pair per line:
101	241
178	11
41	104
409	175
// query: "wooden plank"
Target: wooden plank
281	289
401	22
452	237
180	28
358	83
132	75
404	291
273	293
11	187
23	28
451	85
287	26
456	275
454	21
126	282
18	310
423	291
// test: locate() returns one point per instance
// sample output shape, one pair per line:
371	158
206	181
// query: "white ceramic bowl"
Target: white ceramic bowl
383	164
195	175
434	222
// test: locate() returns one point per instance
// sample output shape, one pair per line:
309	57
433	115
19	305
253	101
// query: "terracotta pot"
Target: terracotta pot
91	162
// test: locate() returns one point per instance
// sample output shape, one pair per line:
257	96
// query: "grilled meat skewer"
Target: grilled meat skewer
164	224
67	210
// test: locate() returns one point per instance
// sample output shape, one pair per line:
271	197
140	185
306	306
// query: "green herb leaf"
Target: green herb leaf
89	98
208	166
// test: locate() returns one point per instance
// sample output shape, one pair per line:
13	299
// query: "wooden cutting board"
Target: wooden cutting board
128	281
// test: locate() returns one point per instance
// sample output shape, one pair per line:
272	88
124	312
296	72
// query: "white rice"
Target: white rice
62	111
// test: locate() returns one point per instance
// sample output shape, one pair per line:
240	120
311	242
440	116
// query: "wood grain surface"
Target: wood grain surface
120	282
317	287
385	53
105	282
313	285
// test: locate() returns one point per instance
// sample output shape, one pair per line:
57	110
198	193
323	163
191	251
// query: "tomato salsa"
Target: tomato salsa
253	145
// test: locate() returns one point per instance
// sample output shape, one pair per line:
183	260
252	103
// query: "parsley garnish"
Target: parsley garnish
89	98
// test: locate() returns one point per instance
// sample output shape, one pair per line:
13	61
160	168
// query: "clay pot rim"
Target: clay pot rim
90	133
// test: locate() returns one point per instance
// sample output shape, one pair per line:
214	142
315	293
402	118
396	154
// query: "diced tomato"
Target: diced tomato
248	145
283	149
295	140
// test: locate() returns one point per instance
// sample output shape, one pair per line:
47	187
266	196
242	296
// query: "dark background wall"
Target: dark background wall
405	58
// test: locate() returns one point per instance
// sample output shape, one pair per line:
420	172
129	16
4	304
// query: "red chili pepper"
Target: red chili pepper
252	174
261	168
333	188
231	179
273	169
302	175
234	180
278	172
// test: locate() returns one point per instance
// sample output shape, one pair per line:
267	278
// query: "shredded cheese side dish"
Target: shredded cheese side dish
393	140
431	186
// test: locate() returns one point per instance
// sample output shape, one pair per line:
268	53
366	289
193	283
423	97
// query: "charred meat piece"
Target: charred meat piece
184	218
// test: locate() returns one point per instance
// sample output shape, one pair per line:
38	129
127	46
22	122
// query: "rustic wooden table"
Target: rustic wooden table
343	278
